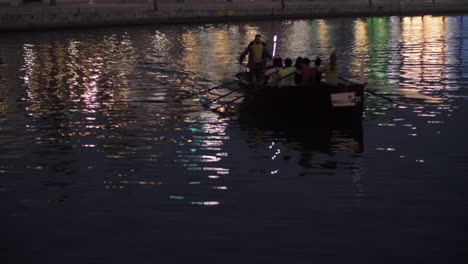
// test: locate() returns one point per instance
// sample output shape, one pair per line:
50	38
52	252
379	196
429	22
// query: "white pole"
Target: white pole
275	37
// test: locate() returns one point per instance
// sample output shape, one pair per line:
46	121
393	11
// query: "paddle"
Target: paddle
235	99
232	101
206	90
222	96
362	81
381	96
240	96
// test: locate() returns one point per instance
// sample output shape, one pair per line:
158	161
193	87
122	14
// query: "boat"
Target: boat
344	101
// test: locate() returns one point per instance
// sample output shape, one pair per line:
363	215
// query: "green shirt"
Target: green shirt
289	72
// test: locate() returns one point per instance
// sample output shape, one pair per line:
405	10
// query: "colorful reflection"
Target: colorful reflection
106	98
378	32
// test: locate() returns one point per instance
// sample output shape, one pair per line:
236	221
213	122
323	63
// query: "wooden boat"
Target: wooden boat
344	101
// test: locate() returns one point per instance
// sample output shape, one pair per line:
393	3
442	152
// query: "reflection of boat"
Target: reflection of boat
313	134
336	102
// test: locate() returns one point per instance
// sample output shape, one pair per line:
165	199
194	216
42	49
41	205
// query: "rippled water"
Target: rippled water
100	163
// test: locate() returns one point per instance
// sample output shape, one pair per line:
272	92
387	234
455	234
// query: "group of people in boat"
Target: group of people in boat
285	73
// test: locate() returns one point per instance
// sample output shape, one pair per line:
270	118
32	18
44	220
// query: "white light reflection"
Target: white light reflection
299	39
207	203
207	158
222	171
30	57
278	151
90	80
396	57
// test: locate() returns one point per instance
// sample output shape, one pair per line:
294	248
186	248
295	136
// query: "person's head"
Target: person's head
278	62
305	62
287	62
318	61
298	60
258	39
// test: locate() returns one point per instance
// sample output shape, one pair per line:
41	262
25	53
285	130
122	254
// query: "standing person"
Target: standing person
308	74
287	74
258	54
331	71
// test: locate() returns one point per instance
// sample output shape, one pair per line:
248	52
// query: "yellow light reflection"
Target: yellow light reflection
361	45
423	57
323	33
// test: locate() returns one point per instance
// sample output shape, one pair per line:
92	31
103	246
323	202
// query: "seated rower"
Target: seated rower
272	73
331	71
308	75
287	75
298	66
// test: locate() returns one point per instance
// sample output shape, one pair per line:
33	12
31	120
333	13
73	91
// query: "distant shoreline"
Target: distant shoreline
42	17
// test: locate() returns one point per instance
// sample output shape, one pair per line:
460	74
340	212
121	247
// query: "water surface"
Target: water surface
100	163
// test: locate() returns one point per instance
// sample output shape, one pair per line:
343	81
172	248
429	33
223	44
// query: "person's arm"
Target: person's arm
242	56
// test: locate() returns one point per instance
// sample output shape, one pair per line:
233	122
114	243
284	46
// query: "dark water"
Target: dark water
100	164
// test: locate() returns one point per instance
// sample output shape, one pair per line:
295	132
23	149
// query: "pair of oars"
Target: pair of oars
205	91
240	96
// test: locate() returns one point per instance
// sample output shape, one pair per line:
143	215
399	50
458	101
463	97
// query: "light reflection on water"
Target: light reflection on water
102	102
94	148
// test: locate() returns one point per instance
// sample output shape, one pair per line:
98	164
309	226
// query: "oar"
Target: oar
222	96
240	96
206	90
381	96
368	90
232	101
362	80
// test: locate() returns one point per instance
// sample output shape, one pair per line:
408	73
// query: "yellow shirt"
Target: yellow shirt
257	50
331	77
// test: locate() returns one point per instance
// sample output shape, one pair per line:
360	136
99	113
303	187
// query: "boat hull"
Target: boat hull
320	100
